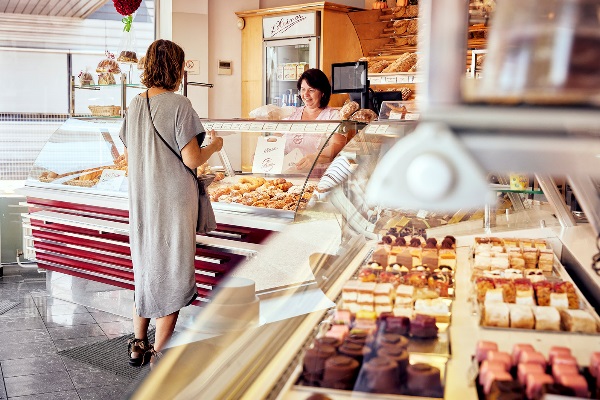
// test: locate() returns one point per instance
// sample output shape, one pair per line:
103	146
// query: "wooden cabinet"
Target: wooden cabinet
338	42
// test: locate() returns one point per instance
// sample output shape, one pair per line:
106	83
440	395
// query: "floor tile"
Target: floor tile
18	312
50	301
76	331
38	384
66	395
27	350
33	365
115	329
21	323
104	392
62	309
78	342
101	316
28	336
2	389
82	378
56	321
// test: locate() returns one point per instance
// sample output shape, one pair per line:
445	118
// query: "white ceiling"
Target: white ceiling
61	8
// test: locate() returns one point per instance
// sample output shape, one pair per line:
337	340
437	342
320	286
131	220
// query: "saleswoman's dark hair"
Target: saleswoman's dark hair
164	65
317	79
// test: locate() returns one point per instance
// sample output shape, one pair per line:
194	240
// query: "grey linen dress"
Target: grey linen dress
163	203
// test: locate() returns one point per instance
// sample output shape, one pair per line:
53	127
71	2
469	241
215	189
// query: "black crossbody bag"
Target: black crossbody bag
206	221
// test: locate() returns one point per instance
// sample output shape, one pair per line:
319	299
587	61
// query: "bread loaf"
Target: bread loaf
411	11
400	26
377	66
412	26
399	12
349	108
364	115
402	64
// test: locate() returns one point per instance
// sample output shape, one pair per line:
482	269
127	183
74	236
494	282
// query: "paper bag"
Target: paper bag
268	156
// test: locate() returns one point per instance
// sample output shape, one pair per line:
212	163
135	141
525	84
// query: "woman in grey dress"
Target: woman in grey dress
163	202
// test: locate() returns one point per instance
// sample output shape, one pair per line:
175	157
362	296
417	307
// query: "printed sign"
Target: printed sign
289	26
268	157
111	180
192	67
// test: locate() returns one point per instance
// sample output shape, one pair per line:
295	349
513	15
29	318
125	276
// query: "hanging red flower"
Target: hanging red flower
127	7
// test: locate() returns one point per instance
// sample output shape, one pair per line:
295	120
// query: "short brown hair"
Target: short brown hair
163	66
316	79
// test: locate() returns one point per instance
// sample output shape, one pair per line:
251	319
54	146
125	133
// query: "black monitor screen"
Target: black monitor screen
349	77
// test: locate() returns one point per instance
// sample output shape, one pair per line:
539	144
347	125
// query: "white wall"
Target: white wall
282	3
190	31
225	100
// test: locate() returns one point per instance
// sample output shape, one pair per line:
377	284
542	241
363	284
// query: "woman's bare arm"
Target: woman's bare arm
194	156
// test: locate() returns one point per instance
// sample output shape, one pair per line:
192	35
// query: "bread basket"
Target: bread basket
105	111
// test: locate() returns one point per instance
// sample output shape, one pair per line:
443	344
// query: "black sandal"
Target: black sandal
142	349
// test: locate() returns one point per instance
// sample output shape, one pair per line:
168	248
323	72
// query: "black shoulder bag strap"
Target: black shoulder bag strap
201	190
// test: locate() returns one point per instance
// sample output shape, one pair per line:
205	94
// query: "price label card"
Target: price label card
207	126
236	126
111	179
217	125
226	126
382	128
376	80
284	127
371	129
256	126
298	127
310	128
321	127
244	126
332	127
395	115
270	127
412	116
392	79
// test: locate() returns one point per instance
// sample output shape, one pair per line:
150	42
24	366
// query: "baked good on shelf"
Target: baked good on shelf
521	317
506	390
398	325
542	293
363	115
496	314
400	26
411	11
141	62
349	108
108	65
379	375
412	26
354	350
495	376
423	327
533	357
377	66
329	341
482	349
128	56
534	275
392	341
518	349
421	377
350	291
556	388
85	78
314	361
595	364
534	384
494	296
569	290
577	383
400	356
546	318
546	260
559	300
402	63
524	369
500	356
487	367
106	79
483	284
578	321
508	289
558	351
559	370
340	372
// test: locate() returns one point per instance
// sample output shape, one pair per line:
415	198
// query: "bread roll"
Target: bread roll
349	108
364	115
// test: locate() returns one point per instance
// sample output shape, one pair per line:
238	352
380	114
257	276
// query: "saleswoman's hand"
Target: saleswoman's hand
305	162
215	141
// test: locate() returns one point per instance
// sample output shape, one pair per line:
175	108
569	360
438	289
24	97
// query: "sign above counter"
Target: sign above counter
291	25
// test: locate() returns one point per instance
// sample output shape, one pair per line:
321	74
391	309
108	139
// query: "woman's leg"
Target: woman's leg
140	325
164	329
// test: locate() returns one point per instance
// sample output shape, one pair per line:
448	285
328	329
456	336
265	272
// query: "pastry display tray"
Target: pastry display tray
255	211
558	273
301	391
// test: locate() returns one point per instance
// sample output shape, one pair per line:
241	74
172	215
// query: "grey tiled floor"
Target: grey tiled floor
32	334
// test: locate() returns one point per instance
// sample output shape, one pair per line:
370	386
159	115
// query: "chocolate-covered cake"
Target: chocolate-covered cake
314	361
423	327
422	379
355	350
359	337
329	341
397	325
391	340
379	375
340	372
506	390
400	356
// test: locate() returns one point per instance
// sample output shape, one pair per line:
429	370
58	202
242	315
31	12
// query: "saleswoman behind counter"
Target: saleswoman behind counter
315	91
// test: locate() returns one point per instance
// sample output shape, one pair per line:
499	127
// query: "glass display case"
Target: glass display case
363	303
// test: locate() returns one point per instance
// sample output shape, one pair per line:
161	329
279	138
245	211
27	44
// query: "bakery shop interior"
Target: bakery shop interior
407	197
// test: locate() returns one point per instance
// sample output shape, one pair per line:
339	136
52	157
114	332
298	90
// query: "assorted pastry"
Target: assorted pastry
369	354
520	254
529	374
416	251
260	192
